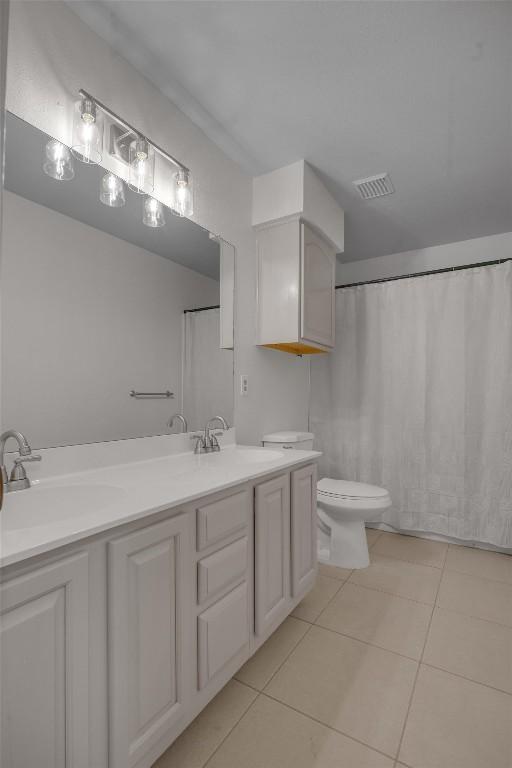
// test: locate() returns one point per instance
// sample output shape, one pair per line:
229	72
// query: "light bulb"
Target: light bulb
153	213
183	200
58	161
142	165
112	191
87	133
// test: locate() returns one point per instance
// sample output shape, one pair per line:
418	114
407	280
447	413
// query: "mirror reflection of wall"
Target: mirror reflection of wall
94	305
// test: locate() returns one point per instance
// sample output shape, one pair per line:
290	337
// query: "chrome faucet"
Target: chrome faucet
18	479
178	417
206	442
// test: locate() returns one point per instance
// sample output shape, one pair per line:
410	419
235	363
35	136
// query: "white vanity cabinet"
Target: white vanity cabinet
44	655
112	645
148	637
296	288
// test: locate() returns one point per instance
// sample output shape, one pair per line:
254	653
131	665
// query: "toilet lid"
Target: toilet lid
350	489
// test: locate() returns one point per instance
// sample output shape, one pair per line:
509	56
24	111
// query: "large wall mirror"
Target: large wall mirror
97	305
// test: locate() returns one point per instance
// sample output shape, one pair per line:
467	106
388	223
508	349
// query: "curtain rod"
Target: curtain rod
423	274
201	309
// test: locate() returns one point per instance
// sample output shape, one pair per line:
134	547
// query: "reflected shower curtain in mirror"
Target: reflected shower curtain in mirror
417	397
207	370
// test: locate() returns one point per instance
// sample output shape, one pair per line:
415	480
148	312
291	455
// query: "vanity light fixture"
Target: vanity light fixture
112	191
183	200
142	166
128	145
153	213
87	145
58	161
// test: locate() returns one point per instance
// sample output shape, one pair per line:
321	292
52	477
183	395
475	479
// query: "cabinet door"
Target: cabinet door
44	657
272	552
318	275
222	633
147	637
304	529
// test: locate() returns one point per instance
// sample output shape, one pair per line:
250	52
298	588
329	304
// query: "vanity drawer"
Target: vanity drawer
217	571
222	632
221	518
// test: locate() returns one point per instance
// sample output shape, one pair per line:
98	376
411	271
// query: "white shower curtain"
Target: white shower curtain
207	370
417	397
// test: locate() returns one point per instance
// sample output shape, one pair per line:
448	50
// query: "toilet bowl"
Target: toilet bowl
343	508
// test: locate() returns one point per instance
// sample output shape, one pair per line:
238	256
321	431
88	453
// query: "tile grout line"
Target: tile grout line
367	642
325	725
411	697
479	576
395	594
468	679
244	713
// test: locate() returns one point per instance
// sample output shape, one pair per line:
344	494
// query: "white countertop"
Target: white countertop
63	509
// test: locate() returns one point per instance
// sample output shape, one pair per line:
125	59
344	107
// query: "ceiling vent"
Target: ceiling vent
374	186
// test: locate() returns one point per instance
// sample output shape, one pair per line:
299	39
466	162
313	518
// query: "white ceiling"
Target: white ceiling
422	90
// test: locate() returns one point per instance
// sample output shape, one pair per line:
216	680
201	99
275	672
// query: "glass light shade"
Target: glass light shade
87	143
153	213
183	201
112	191
58	162
142	167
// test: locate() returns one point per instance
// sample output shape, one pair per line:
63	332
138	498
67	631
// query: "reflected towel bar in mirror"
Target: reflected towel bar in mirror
149	395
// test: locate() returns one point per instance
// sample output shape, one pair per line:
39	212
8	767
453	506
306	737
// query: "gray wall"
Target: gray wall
480	249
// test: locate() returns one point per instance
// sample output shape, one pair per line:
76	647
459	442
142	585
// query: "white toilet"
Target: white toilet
343	508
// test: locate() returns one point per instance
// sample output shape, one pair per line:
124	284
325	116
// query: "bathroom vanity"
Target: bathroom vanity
131	593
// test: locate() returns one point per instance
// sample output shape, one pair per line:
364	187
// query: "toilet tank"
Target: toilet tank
302	441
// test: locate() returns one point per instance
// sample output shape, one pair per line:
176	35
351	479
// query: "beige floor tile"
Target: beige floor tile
267	660
480	562
480	650
273	736
313	604
398	577
372	535
455	723
334	572
477	597
411	548
202	737
358	689
388	621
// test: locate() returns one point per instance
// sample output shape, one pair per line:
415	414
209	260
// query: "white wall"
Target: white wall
52	54
88	317
480	249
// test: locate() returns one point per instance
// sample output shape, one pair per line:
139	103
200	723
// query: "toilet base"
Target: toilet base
345	546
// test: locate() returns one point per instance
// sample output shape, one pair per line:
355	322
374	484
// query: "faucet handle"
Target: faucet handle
30	457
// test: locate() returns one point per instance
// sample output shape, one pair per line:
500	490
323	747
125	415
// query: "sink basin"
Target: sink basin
40	506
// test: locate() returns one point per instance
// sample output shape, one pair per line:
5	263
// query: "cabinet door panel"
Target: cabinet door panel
303	529
272	551
44	667
147	640
223	631
318	268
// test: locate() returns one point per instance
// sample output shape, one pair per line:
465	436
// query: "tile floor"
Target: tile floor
407	664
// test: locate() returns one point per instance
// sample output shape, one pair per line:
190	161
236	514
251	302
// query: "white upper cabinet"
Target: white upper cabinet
296	283
300	229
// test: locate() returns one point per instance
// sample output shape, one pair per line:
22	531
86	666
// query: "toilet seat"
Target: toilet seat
347	493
